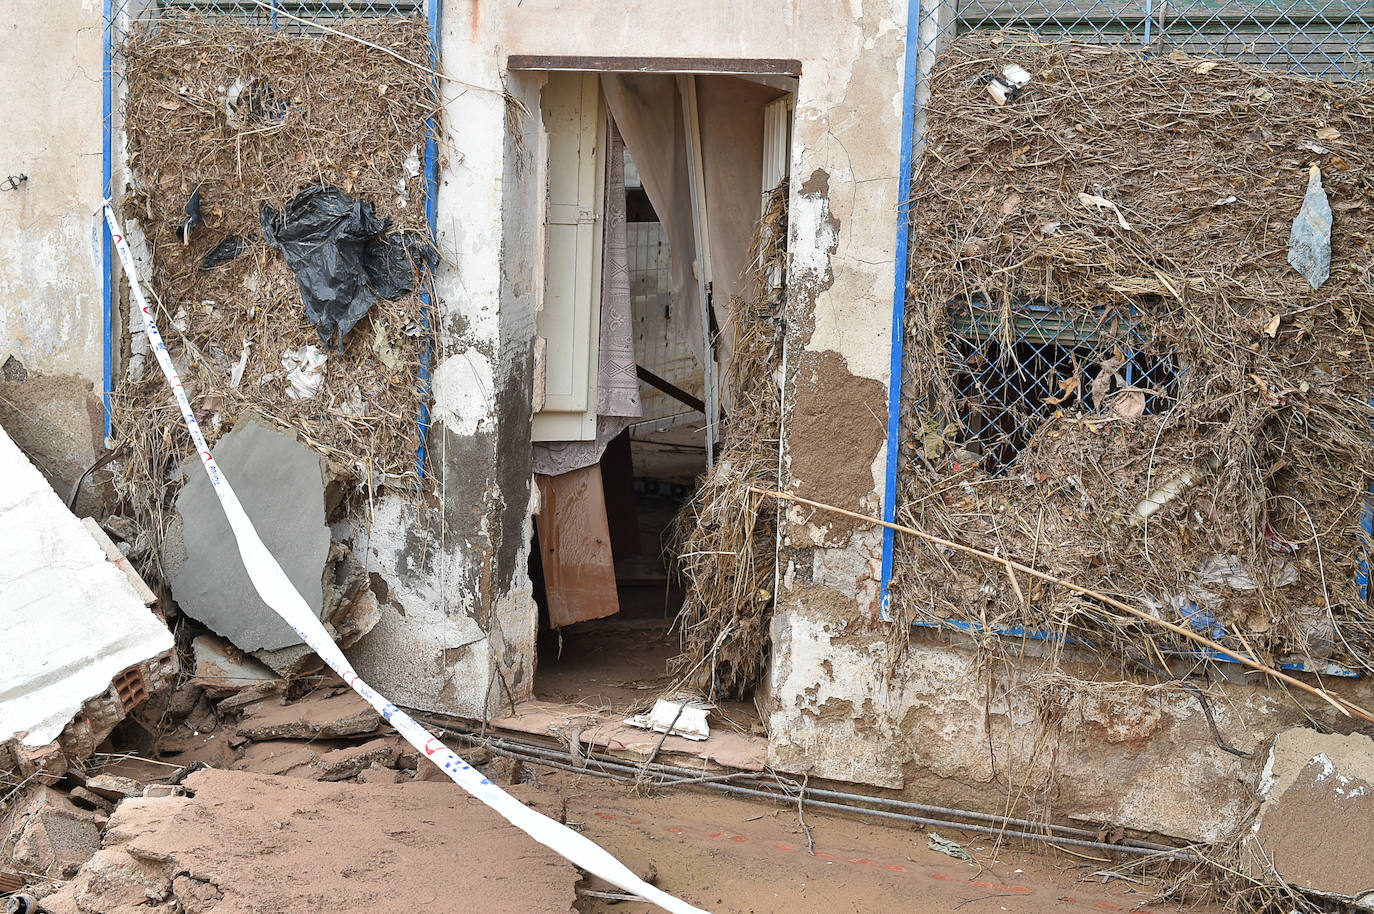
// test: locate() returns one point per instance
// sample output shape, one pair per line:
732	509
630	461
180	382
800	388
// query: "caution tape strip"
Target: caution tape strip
281	595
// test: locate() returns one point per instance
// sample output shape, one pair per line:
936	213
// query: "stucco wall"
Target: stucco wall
470	568
50	298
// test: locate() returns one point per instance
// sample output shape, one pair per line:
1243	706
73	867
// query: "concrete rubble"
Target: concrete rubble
248	841
222	670
80	649
284	487
49	837
1317	793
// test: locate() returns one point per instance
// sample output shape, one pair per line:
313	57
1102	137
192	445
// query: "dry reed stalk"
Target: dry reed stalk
1344	706
726	535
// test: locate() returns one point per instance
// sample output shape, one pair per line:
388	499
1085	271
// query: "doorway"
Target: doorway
656	176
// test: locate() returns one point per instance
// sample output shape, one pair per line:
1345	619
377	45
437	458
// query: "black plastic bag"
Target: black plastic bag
225	251
323	233
393	260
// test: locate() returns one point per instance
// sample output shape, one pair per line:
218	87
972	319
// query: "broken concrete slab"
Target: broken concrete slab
252	842
113	787
288	491
319	716
341	764
50	837
281	485
222	669
79	648
1317	793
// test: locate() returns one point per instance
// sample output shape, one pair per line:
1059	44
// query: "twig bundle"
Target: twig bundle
252	116
1151	199
726	532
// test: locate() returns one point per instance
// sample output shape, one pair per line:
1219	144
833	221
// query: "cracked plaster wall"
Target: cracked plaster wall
50	297
454	569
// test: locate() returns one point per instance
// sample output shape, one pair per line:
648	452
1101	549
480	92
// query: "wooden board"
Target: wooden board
575	545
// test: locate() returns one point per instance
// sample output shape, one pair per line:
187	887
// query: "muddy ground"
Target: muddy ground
313	804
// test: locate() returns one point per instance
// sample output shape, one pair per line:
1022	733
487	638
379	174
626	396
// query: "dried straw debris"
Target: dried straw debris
726	533
241	117
1135	211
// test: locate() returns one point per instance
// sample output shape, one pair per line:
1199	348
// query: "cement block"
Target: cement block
1316	816
114	787
280	483
52	838
223	670
320	716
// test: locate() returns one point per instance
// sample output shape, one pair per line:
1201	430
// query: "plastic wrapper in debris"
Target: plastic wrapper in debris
678	718
225	251
1309	244
304	371
323	232
342	260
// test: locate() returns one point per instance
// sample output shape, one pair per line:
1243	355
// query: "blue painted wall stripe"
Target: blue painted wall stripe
894	395
106	171
435	12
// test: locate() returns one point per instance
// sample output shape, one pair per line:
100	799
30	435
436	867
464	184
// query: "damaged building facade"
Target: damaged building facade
625	211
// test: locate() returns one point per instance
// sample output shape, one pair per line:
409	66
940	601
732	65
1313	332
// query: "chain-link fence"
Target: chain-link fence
1011	364
303	18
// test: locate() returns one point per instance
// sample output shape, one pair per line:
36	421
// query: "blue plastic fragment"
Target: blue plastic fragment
1202	621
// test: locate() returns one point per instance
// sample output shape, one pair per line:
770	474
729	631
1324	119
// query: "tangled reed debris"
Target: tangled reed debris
726	532
251	116
1112	371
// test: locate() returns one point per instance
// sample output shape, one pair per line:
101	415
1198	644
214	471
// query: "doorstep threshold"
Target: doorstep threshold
607	731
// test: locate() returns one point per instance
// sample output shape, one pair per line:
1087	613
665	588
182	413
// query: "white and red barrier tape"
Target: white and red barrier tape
280	594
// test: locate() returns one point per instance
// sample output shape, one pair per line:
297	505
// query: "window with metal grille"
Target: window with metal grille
1011	369
1331	39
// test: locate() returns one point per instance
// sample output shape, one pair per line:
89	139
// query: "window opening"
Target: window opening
1011	371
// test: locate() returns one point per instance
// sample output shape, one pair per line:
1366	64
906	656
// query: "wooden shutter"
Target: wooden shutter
569	320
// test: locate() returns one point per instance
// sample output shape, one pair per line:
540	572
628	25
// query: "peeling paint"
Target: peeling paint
463	393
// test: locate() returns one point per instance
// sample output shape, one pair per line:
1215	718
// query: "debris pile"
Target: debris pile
726	532
244	145
261	776
1112	370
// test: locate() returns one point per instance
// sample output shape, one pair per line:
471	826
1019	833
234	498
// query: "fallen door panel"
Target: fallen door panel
575	545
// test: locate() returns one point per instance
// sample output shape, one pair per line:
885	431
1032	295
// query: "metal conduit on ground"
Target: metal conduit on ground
760	787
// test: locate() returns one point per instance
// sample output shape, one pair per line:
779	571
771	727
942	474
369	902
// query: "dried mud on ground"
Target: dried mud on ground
325	809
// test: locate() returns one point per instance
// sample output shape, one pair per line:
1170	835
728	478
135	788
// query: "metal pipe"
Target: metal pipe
620	770
106	188
894	383
434	13
686	775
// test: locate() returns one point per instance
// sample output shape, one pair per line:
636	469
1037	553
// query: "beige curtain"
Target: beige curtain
648	109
